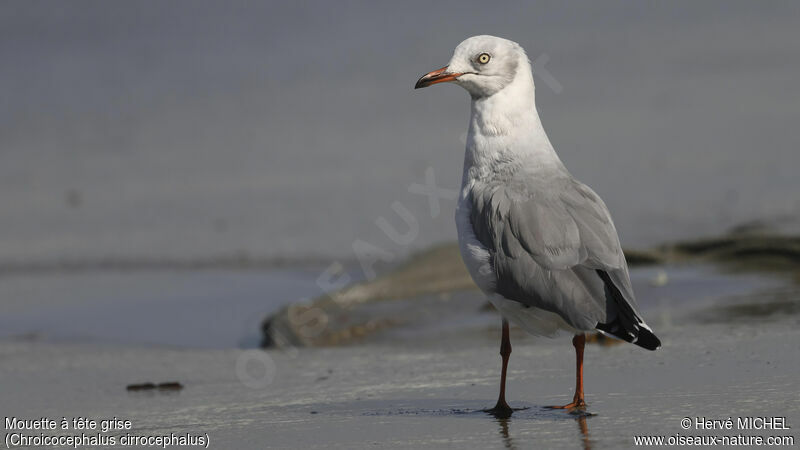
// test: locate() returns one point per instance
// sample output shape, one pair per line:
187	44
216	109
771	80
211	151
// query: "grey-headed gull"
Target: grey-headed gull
538	242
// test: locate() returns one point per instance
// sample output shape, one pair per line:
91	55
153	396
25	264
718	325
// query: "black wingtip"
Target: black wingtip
627	325
642	336
648	340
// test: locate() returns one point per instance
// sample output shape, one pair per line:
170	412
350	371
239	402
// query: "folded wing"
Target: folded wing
554	246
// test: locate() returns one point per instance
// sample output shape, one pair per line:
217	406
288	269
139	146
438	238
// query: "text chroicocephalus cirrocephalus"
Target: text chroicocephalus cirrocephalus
537	241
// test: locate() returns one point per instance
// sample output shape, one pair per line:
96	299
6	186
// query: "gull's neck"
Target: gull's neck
505	133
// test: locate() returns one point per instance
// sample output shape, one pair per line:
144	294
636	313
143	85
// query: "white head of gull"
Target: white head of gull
537	241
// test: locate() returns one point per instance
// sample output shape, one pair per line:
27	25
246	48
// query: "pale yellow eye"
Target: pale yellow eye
484	58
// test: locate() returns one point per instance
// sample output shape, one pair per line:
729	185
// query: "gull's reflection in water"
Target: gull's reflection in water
580	417
507	441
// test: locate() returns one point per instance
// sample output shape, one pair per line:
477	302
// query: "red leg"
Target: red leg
502	408
579	341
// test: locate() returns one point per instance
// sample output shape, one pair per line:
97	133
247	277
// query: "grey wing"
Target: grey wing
554	246
605	256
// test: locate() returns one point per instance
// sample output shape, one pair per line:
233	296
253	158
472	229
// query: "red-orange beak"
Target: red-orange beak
437	76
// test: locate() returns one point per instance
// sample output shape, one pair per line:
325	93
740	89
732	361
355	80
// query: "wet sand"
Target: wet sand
408	397
414	387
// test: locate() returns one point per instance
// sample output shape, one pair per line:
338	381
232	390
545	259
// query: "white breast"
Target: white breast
476	257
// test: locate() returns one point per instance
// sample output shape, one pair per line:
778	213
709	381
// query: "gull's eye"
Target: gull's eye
484	58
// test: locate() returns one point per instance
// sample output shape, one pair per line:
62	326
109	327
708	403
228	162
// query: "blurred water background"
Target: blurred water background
283	130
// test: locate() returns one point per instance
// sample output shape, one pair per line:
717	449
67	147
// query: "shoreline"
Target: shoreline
428	280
